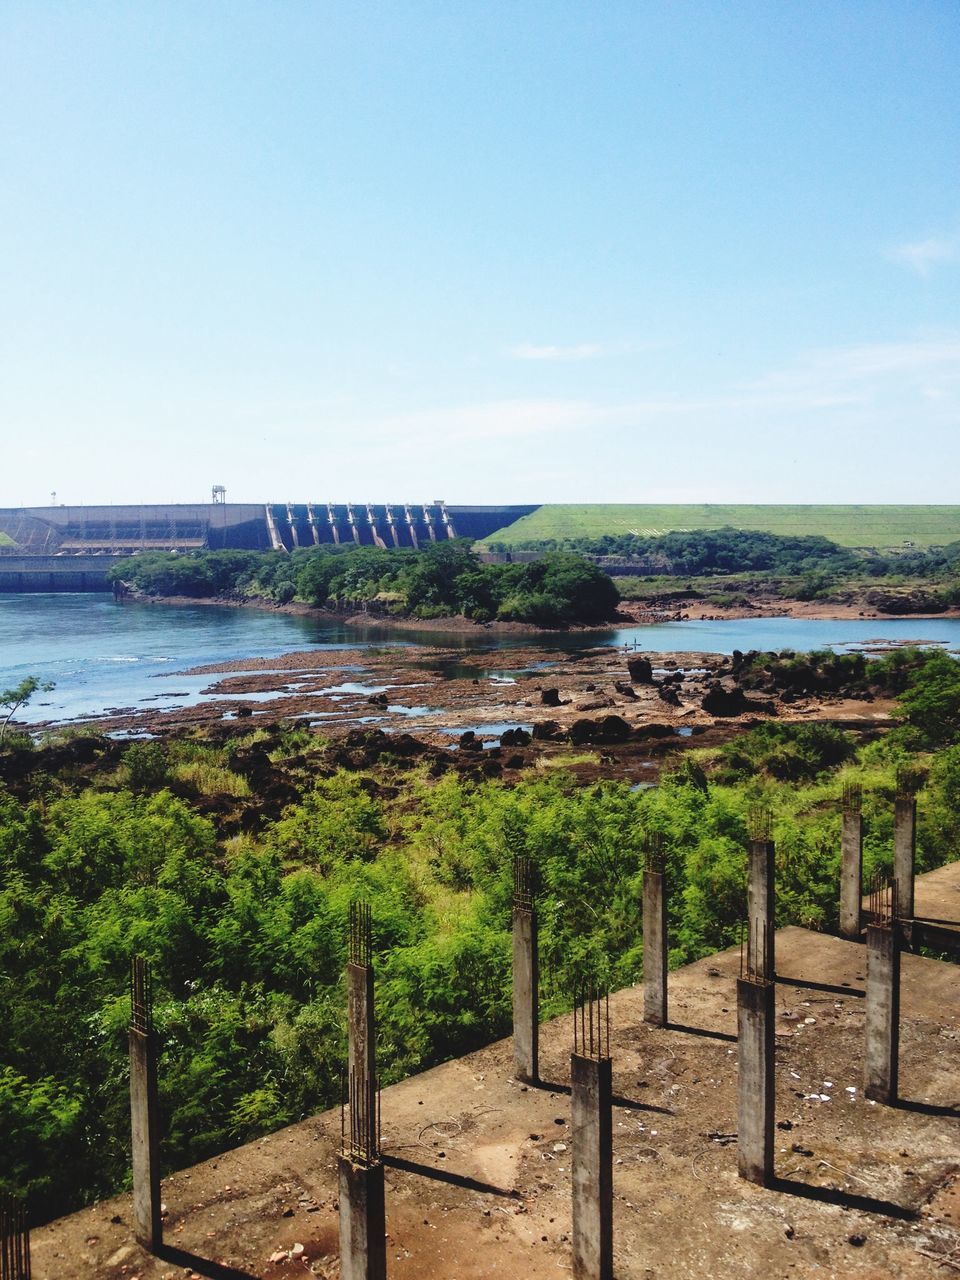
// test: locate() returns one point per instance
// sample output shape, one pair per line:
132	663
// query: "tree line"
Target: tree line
441	580
683	553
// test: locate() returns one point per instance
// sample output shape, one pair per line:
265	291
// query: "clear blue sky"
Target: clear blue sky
504	252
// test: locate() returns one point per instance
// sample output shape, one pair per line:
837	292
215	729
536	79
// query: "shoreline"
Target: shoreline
630	613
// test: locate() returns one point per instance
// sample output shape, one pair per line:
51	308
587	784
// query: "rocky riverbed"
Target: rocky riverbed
599	697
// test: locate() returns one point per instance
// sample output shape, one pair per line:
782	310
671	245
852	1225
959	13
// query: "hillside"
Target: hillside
883	527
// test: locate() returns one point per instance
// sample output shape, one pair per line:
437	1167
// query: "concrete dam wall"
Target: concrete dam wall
70	548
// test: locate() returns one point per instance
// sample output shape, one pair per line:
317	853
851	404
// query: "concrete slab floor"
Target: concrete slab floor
478	1176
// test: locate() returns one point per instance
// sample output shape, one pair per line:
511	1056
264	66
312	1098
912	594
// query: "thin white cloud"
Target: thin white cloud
923	255
535	351
869	378
861	372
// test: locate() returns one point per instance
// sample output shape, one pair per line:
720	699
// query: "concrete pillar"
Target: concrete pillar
14	1239
362	1037
882	1029
755	1079
363	1250
761	909
526	988
144	1112
363	1242
851	874
592	1167
654	948
904	852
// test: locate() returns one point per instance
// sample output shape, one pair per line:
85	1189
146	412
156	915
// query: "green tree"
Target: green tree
931	702
11	700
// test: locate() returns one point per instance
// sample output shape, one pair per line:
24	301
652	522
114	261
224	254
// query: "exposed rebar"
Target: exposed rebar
883	899
361	934
361	1098
852	797
591	1019
14	1239
524	882
760	822
654	857
141	996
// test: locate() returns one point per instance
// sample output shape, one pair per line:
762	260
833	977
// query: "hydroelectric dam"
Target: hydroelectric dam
71	548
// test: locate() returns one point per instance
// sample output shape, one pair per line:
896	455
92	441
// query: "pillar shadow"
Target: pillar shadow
844	1199
550	1086
829	987
447	1175
928	1108
633	1105
935	920
701	1031
203	1266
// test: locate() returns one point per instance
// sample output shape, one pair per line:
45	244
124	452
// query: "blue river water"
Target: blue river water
102	655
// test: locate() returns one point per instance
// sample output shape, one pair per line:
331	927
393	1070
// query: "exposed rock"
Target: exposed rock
593	702
655	731
545	730
515	738
641	670
626	690
609	729
727	699
550	697
916	601
614	729
667	693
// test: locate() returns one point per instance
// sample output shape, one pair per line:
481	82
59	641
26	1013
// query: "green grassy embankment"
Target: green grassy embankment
883	527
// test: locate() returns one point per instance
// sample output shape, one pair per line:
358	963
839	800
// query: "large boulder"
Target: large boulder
728	699
641	670
543	730
609	729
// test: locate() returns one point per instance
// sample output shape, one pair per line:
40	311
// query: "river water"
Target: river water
104	655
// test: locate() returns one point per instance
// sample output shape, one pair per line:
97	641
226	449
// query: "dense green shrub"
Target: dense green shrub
442	579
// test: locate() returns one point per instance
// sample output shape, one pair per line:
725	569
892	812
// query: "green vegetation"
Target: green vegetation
883	527
6	540
442	580
728	566
715	551
125	849
11	700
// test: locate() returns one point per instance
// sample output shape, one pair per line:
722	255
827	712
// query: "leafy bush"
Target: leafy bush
442	579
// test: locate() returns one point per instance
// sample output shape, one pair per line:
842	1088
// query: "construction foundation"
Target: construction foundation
144	1112
882	1028
755	1078
654	946
526	976
851	866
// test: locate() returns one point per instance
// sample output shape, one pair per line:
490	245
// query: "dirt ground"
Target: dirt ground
478	1165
